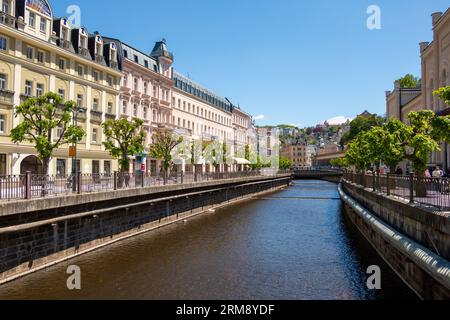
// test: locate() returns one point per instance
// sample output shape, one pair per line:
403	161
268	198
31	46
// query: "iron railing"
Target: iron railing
29	186
426	191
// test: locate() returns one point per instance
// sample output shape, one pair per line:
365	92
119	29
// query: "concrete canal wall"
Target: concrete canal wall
38	233
413	240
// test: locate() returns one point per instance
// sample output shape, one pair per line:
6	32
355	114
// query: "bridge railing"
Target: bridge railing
29	186
431	192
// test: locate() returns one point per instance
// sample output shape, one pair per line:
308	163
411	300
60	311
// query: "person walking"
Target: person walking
438	173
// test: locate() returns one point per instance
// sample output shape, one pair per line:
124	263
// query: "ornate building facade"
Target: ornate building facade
435	62
38	54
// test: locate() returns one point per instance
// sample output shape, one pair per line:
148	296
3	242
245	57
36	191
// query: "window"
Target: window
80	71
94	135
60	167
62	64
5	6
135	110
28	88
39	90
155	92
95	75
125	53
2	82
80	101
136	59
95	105
107	167
145	87
59	131
110	108
63	33
136	84
40	57
62	94
30	53
3	43
2	123
32	20
110	81
146	63
124	107
145	113
43	25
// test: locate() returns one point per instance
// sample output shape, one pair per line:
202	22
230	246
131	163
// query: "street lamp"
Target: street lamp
74	152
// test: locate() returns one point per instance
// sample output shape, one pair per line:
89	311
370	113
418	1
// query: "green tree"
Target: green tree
39	119
409	82
123	140
443	94
285	164
339	162
163	143
361	124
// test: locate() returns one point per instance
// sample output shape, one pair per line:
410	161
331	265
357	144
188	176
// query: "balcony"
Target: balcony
7	20
83	51
110	116
164	103
6	96
96	116
114	65
100	59
64	44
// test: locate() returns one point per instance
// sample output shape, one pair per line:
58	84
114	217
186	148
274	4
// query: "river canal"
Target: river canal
293	244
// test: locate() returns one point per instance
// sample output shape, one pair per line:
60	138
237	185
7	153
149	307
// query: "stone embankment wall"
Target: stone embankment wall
38	233
413	240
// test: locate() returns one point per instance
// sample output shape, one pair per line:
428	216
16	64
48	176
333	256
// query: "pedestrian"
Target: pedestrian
399	171
427	173
438	173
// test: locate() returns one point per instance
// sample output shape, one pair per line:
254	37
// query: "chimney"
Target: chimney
435	17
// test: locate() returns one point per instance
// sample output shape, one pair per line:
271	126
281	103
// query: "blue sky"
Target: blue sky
291	61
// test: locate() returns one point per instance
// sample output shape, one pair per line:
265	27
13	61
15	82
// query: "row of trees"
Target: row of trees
394	141
48	123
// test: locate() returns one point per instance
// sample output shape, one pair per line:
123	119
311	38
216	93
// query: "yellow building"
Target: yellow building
39	54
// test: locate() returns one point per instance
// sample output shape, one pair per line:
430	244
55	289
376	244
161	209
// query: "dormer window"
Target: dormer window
43	25
5	6
83	42
63	33
32	20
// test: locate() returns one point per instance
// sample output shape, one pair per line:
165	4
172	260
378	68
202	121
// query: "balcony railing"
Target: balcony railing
6	96
96	116
83	51
114	64
7	20
99	59
110	116
64	44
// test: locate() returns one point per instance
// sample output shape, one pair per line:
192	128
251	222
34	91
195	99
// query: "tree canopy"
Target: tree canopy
47	123
124	139
409	81
361	124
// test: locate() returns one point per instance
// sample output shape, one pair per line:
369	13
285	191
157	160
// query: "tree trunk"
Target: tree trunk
420	186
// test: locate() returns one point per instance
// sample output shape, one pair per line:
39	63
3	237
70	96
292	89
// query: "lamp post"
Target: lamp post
74	152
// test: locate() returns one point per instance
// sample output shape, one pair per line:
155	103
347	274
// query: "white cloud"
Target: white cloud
259	117
337	120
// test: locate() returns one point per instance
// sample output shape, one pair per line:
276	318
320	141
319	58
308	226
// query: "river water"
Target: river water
292	244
